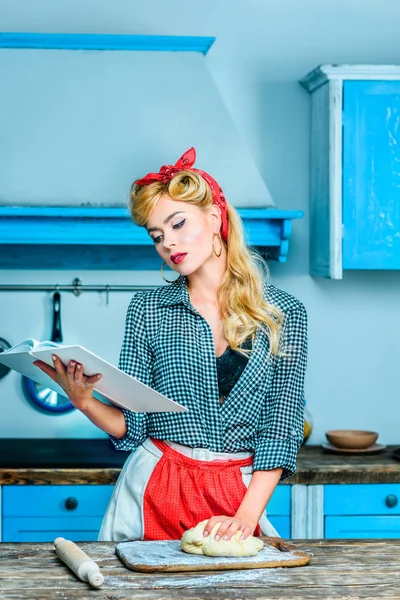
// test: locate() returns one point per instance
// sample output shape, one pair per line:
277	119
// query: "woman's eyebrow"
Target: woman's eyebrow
178	212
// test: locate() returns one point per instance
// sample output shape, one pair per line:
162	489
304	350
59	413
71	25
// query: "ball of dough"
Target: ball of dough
194	542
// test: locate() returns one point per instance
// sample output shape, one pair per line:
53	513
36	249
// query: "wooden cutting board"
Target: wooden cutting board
163	556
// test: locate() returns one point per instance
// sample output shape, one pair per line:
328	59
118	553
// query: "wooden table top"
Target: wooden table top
339	569
314	466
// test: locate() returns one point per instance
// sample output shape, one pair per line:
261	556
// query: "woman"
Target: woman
223	342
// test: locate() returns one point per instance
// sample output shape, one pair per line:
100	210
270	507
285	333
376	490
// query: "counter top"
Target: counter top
78	461
340	569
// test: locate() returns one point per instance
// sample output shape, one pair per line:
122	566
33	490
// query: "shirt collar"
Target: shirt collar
175	293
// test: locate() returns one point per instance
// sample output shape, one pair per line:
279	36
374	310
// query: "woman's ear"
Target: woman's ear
215	212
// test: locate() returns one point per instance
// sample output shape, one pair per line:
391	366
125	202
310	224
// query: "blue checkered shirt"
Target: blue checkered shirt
169	346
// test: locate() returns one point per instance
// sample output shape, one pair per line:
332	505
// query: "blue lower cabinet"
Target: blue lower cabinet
362	510
278	510
32	529
39	513
281	524
55	500
362	527
362	499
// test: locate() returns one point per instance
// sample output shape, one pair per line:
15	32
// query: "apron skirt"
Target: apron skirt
162	492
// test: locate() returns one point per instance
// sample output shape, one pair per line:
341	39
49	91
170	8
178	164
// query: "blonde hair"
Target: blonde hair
241	294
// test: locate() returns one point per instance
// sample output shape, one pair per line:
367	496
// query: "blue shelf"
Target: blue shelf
106	238
90	41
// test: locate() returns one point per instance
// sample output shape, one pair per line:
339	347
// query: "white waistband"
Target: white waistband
205	454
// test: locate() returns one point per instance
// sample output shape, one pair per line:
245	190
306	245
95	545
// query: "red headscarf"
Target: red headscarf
185	163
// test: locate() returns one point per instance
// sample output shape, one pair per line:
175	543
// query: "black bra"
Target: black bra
230	366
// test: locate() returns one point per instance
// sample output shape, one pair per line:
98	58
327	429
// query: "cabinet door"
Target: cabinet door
56	500
46	529
362	499
362	510
278	510
40	513
371	175
281	524
362	527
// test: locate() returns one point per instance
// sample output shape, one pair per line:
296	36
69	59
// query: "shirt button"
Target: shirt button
293	432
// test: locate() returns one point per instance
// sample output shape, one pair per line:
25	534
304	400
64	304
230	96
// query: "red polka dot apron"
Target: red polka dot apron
161	491
183	491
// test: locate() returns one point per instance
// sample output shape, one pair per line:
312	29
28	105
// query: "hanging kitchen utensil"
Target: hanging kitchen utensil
39	395
4	345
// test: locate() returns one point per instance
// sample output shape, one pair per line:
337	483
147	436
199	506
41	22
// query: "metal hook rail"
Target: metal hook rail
77	288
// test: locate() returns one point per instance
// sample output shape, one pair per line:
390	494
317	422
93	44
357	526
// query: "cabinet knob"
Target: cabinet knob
391	500
71	503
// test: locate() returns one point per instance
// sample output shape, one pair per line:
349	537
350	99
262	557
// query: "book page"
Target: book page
22	362
23	346
47	344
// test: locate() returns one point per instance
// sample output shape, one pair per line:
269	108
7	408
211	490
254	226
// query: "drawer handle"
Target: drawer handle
391	501
71	503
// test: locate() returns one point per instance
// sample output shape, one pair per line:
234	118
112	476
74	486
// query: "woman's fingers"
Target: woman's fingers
71	376
227	525
71	371
234	528
45	368
58	365
209	526
93	379
246	531
76	375
48	369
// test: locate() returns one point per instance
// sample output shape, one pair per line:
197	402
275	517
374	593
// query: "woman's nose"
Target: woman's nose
168	242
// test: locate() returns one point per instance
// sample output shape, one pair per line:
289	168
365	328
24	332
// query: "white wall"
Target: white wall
262	49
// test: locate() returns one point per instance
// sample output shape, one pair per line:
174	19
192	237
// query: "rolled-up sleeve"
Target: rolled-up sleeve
279	440
136	360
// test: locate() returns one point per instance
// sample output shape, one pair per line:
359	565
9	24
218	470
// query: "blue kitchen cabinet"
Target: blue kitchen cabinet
371	175
362	511
362	527
40	513
34	529
355	169
278	510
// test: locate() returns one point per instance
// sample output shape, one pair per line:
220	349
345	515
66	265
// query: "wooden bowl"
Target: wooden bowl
351	438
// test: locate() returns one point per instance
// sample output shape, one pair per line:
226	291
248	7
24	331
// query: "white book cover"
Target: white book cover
115	386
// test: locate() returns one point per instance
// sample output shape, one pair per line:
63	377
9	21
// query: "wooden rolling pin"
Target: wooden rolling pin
79	562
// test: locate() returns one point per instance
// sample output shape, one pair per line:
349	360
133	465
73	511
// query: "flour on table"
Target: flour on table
194	542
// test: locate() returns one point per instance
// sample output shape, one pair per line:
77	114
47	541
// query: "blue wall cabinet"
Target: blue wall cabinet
40	513
355	168
362	511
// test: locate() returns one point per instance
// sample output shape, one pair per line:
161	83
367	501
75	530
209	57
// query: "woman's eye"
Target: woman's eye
157	239
178	225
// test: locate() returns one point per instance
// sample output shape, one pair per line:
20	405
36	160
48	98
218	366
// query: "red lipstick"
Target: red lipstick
178	257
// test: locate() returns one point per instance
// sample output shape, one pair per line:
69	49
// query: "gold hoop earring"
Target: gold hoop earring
162	274
218	235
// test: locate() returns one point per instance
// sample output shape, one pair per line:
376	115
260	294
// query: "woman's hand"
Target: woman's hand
77	386
229	526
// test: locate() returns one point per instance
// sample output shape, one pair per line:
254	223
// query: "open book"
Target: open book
115	386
